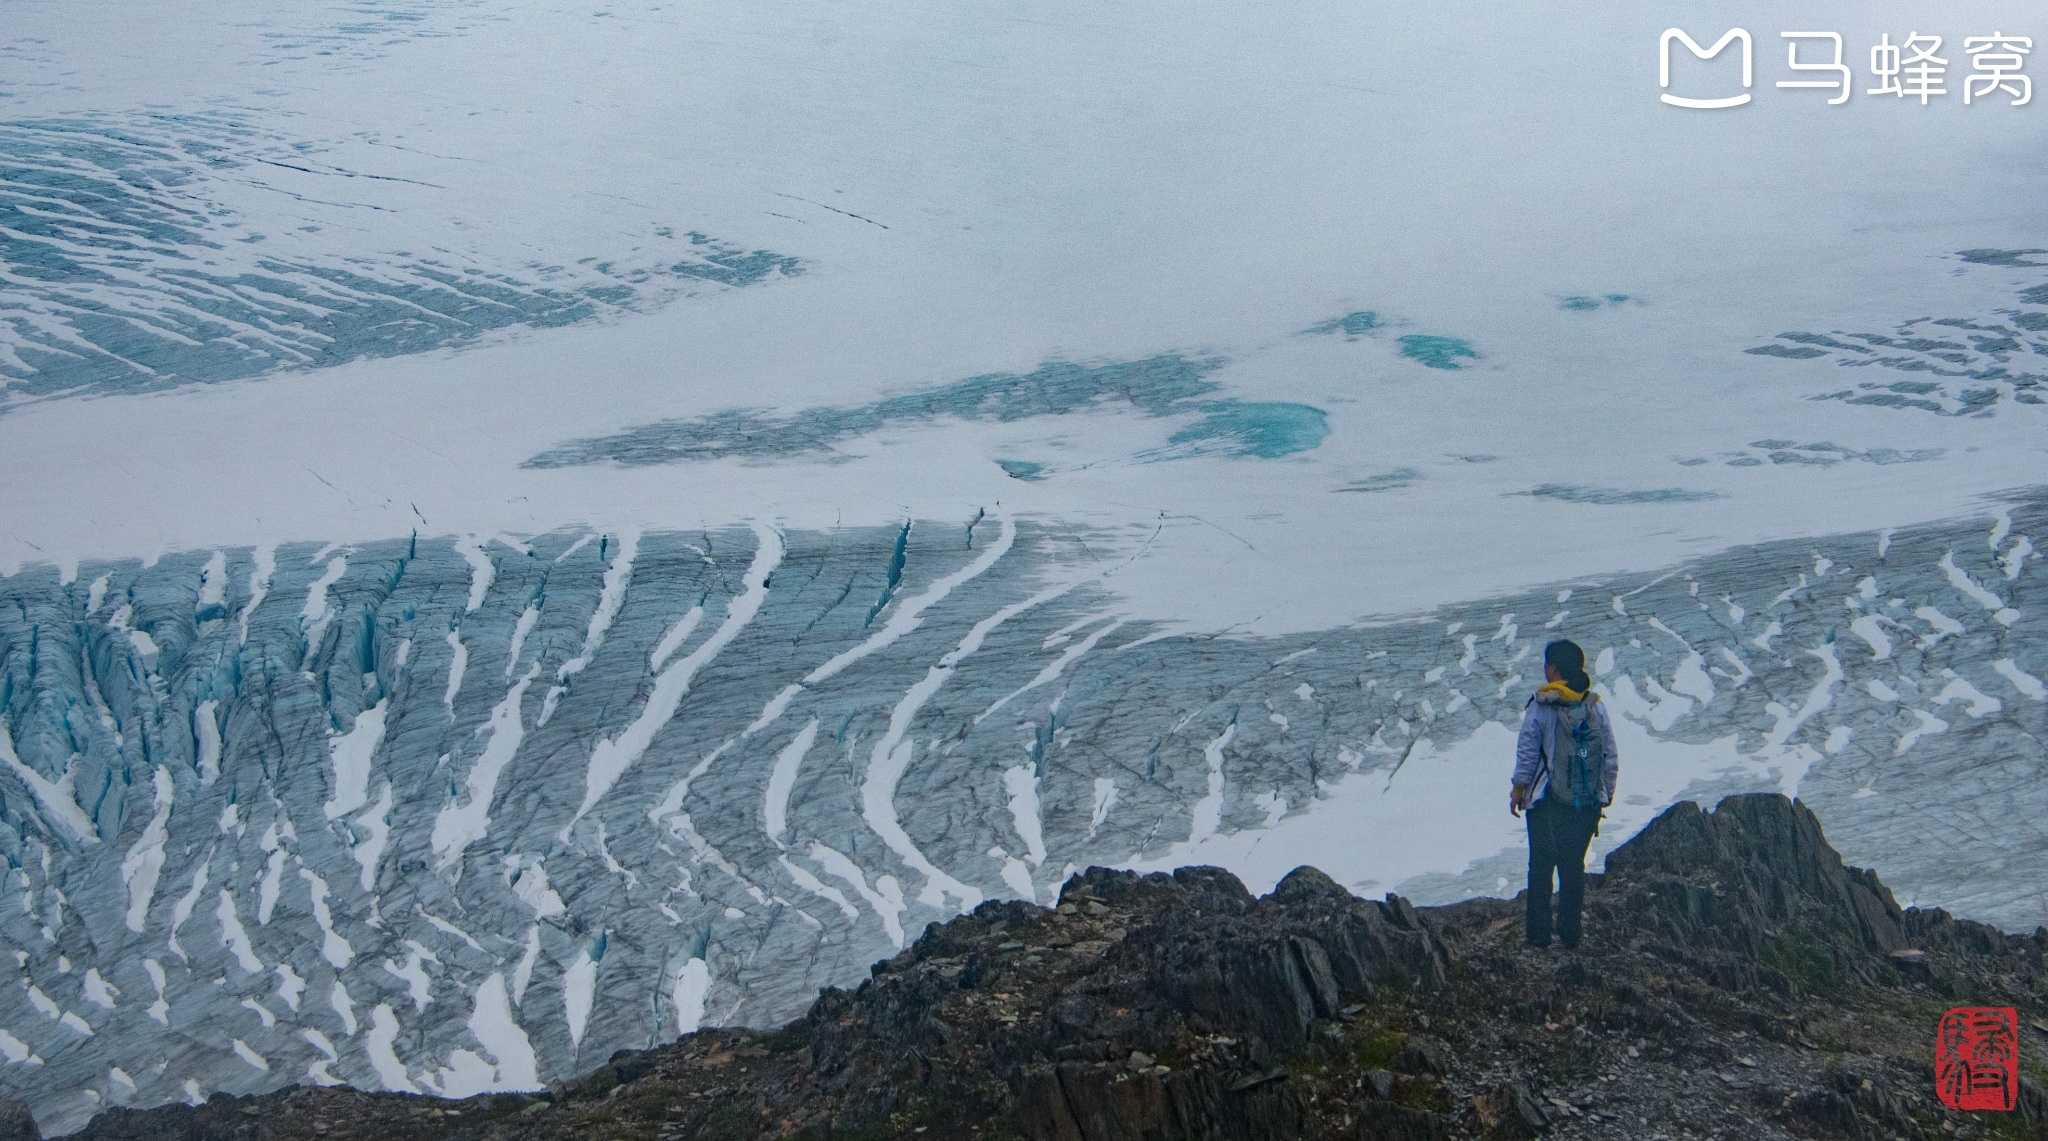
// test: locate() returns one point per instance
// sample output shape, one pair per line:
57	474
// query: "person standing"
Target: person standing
1565	767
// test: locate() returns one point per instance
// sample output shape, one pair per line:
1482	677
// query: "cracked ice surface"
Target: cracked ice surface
152	250
989	726
243	237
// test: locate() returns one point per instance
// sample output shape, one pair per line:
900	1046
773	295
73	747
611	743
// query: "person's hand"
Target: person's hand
1517	800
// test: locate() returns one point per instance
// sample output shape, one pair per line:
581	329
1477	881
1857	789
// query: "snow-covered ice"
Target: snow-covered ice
498	553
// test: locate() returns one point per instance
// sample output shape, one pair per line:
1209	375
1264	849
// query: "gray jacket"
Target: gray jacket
1539	730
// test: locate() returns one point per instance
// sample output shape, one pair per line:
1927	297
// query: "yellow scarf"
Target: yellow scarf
1567	692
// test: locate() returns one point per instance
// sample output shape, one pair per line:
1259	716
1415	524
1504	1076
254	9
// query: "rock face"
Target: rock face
1180	1007
1769	869
1213	974
475	815
17	1123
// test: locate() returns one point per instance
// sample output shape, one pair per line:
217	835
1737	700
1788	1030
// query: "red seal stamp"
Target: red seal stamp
1977	1057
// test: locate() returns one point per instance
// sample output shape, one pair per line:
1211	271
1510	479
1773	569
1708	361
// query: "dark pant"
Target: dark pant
1558	836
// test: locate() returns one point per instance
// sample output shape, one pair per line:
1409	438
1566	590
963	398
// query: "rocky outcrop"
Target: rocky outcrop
1181	1007
1756	882
17	1123
1218	976
1766	864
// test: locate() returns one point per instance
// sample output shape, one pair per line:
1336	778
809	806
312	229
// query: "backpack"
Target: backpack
1578	756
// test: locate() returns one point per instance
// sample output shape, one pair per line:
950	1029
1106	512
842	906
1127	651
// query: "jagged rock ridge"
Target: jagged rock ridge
1178	1006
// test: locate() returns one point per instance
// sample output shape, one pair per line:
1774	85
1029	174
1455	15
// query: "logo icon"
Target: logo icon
1692	45
1977	1057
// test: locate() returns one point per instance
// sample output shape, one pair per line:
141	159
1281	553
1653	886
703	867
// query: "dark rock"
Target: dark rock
1385	1121
1178	1007
1254	1081
1423	1055
1076	1012
1826	1112
1766	864
1077	1102
17	1123
629	1066
1507	1111
1236	971
2033	1103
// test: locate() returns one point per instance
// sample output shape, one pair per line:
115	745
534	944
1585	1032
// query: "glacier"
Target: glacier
265	824
134	264
528	530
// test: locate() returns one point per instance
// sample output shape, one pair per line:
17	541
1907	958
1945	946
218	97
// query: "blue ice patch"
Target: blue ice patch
1579	303
1437	352
1350	324
1161	386
1266	429
1572	493
1789	352
1389	481
2012	259
1022	469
